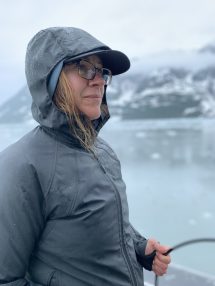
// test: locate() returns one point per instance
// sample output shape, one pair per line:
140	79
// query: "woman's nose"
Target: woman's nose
98	79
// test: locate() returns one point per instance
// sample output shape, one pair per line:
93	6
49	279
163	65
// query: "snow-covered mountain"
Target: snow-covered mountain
17	108
167	85
176	84
165	93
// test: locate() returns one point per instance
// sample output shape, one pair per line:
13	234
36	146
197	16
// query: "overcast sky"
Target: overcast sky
137	27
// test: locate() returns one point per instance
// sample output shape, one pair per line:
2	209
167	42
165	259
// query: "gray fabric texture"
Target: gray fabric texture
64	216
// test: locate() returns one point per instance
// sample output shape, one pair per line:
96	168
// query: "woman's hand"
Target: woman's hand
161	261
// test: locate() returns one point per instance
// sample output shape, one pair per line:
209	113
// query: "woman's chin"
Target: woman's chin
92	113
94	117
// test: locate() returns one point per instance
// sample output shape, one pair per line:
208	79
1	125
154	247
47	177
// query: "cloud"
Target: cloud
137	27
140	26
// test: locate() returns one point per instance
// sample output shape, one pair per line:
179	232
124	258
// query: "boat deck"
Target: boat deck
180	276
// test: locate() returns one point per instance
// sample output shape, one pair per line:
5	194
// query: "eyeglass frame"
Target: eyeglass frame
96	70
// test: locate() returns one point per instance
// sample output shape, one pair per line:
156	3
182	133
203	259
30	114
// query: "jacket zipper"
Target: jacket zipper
134	282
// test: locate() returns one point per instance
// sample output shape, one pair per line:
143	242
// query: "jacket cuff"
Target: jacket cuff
145	261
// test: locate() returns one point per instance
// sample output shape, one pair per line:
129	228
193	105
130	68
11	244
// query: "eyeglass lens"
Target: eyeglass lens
88	71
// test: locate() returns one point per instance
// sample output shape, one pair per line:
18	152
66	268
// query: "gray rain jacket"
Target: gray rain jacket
63	212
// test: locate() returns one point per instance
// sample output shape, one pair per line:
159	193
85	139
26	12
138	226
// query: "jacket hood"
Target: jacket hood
45	56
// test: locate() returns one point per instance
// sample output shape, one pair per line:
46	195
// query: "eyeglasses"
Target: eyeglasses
88	71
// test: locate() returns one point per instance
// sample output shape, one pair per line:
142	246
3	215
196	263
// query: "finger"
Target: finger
163	258
158	271
161	248
160	266
151	246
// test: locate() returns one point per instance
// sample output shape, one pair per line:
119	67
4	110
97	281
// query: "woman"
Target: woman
63	208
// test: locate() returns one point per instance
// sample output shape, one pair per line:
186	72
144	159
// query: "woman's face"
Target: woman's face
87	93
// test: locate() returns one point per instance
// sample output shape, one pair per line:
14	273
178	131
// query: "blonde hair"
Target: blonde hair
80	126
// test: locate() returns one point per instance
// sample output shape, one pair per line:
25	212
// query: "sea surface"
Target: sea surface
169	170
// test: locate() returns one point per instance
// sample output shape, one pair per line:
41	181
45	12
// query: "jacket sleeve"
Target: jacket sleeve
140	243
21	219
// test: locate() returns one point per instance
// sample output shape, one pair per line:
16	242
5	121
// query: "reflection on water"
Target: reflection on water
189	141
168	166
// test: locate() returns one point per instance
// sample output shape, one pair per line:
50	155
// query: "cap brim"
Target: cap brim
114	60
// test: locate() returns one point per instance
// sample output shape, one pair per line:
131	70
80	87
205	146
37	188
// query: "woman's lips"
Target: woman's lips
93	96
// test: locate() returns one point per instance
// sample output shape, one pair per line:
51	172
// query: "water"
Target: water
168	167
